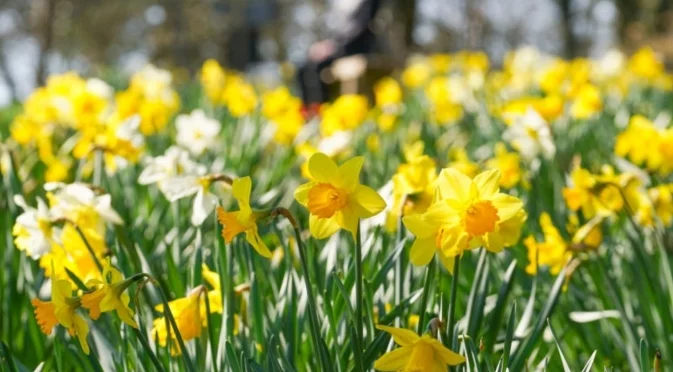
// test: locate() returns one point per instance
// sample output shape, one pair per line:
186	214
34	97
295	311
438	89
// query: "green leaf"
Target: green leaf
566	367
508	337
644	356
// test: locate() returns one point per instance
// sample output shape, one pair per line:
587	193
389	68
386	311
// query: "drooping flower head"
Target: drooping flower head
335	198
244	220
110	295
416	353
62	309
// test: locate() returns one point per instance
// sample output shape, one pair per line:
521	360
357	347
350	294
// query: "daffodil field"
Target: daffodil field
467	217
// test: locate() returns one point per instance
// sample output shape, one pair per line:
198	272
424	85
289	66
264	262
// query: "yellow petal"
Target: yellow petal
252	236
445	355
447	261
494	242
369	201
507	206
402	337
301	193
453	184
417	225
440	214
394	360
422	251
348	176
81	330
347	220
488	183
241	188
322	168
322	228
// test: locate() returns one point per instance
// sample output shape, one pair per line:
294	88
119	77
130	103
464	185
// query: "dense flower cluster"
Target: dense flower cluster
451	157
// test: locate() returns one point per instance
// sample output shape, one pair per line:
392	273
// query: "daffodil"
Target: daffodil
346	113
109	295
469	213
335	198
62	309
163	168
245	219
187	314
509	165
416	353
33	230
183	186
197	132
531	136
552	252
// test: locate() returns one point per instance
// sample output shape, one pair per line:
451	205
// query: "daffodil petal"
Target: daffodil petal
494	242
488	183
348	176
348	220
422	251
403	337
301	193
447	261
369	201
394	360
322	168
241	188
445	355
256	242
453	184
417	225
507	206
322	228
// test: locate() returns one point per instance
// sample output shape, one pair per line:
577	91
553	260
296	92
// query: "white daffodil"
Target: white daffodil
173	163
33	230
77	200
184	186
196	131
530	135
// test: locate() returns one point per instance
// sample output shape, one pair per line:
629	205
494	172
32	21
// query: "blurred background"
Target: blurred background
41	37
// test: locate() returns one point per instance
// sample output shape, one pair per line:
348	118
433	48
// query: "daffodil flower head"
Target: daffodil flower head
65	311
416	353
110	295
335	198
245	219
187	314
468	213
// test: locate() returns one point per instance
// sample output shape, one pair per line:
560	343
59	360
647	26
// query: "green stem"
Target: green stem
358	294
88	247
312	309
211	332
452	300
155	362
427	287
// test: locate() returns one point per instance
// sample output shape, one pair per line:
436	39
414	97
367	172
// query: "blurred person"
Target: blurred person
350	34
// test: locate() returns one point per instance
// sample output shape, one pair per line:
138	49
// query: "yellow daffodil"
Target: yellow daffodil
213	79
335	198
244	220
187	314
552	252
416	353
468	213
62	309
413	188
509	165
110	295
346	113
